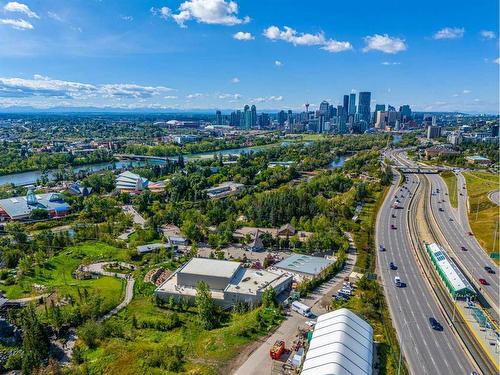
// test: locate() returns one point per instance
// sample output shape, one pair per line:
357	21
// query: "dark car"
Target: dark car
393	216
392	266
441	209
392	226
435	324
463	248
470	234
489	269
381	248
483	282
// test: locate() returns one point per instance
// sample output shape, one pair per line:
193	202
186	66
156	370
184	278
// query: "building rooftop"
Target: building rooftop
150	247
251	281
449	269
341	343
477	158
211	267
304	264
19	207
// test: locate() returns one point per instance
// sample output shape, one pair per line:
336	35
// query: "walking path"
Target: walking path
494	196
98	269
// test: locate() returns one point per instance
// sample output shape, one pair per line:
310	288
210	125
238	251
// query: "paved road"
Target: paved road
455	227
456	232
494	196
426	351
136	216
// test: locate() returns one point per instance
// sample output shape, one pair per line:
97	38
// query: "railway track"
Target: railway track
422	232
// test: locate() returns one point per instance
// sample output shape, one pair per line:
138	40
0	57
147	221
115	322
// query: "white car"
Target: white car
310	323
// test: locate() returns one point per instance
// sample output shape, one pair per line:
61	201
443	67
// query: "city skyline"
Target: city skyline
216	54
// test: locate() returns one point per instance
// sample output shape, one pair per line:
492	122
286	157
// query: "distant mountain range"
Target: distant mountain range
110	110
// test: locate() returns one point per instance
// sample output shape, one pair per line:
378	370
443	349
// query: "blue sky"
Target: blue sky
434	55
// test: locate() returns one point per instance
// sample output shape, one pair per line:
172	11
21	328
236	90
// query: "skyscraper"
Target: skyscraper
364	100
380	107
247	120
345	105
253	116
281	118
405	112
324	109
218	118
352	104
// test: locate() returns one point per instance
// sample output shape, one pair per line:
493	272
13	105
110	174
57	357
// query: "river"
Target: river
29	178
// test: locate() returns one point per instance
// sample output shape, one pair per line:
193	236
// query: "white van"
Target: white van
301	309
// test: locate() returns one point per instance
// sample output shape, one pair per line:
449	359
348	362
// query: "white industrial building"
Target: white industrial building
229	281
341	344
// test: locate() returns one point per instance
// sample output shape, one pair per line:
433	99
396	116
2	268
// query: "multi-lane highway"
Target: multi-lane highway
454	225
464	247
426	351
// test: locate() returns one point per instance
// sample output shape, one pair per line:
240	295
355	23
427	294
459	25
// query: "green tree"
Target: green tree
35	340
208	313
269	298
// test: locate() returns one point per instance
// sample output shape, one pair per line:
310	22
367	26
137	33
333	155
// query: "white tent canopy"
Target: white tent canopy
341	344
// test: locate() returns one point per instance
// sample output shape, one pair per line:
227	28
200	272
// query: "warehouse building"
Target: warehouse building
454	279
304	265
341	343
228	281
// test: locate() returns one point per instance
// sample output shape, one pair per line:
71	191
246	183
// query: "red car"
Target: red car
483	282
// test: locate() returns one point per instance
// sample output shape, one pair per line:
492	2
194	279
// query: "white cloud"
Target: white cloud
41	86
390	63
54	16
127	18
384	43
305	39
194	96
240	35
163	12
336	46
170	97
229	96
18	24
466	92
213	12
128	90
14	6
235	80
487	34
262	99
497	60
278	63
449	33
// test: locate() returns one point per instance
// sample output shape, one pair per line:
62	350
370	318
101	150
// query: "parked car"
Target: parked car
435	324
489	269
483	282
470	234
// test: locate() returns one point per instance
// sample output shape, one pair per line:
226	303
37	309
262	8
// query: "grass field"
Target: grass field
483	214
56	275
206	352
451	181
